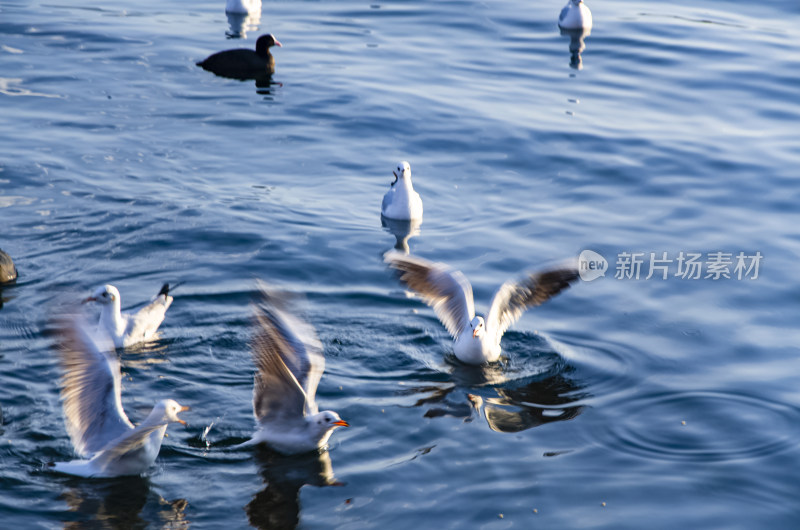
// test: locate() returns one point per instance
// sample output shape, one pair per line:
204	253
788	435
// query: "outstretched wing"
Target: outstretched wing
289	362
515	296
145	322
443	288
91	390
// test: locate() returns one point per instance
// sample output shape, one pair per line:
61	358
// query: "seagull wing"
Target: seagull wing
515	296
145	322
91	391
130	441
441	287
289	362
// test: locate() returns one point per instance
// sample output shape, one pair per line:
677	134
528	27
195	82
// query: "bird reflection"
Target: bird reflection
240	23
509	408
402	231
126	502
576	45
277	506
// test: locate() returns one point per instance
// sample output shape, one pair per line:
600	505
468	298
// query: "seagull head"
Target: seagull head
478	327
327	420
169	409
402	171
106	294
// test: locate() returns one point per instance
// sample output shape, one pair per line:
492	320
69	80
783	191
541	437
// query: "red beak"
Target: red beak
277	43
90	299
341	423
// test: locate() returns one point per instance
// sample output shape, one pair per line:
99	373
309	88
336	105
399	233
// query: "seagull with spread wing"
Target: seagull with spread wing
127	329
477	340
289	364
101	433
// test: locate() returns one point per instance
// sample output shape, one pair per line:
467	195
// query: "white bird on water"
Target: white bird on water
101	433
401	201
128	329
575	15
477	341
243	7
289	364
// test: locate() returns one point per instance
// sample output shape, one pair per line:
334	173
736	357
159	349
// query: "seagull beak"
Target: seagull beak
341	423
475	333
90	299
183	409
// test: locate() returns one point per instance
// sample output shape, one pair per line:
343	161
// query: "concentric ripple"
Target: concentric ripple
703	427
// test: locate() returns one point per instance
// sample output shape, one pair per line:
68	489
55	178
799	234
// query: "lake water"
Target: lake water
624	403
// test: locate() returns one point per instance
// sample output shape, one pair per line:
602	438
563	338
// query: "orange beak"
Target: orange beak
183	409
341	423
475	332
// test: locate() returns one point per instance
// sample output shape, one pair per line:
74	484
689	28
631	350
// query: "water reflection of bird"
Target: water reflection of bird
402	231
477	341
120	503
401	202
99	429
278	504
244	64
239	24
576	45
127	329
520	408
512	407
289	364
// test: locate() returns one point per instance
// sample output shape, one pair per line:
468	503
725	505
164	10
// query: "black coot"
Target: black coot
242	63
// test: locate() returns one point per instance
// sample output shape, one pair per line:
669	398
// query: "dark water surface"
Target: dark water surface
623	404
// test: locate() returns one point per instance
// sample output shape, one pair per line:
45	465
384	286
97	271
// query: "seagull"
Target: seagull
575	15
477	341
102	435
289	364
128	329
401	201
243	7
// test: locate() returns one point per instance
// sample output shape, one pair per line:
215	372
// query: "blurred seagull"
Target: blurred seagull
128	329
401	201
477	341
289	364
575	15
101	433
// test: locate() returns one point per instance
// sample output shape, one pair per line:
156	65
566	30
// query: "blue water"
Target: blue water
623	403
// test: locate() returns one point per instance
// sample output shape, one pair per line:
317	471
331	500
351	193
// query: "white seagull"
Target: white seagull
243	7
128	329
477	341
575	15
401	201
289	364
101	433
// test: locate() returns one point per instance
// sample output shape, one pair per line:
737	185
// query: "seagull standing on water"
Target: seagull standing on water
289	364
477	341
128	329
101	433
401	201
575	15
